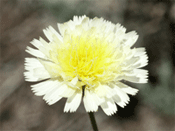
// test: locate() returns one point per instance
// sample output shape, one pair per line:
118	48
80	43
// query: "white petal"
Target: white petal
117	99
98	100
33	68
136	75
43	46
57	95
36	43
52	88
120	28
97	22
68	92
55	33
38	72
35	52
89	101
136	79
73	102
110	27
79	19
43	88
127	89
143	61
131	61
103	90
131	38
52	100
46	44
52	68
109	107
139	51
124	99
141	73
62	28
85	23
68	26
75	19
119	32
48	34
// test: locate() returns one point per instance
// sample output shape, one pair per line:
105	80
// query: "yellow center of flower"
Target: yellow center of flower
89	57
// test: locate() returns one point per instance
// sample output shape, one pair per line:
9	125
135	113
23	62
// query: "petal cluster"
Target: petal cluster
87	60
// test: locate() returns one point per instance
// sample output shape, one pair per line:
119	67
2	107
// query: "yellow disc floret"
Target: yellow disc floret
89	57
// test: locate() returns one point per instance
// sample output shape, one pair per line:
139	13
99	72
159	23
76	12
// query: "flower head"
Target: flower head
86	60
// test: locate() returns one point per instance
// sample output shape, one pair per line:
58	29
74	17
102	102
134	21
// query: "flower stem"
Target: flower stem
93	121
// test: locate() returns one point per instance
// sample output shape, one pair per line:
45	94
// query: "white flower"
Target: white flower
87	60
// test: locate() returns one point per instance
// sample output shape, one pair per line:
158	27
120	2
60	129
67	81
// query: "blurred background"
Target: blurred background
152	109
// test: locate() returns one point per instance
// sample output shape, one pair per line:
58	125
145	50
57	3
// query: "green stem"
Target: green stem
93	122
